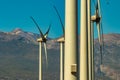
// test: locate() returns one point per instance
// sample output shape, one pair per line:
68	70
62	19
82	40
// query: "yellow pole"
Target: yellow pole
61	41
84	42
61	61
40	58
92	44
40	62
89	39
71	48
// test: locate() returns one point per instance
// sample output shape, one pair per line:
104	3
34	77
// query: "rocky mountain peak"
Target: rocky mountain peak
17	31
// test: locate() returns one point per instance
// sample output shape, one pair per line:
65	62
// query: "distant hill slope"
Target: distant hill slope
19	56
111	56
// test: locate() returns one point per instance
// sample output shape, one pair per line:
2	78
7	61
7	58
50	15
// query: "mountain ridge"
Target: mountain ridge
19	51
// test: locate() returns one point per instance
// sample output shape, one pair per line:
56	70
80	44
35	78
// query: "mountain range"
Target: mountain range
19	51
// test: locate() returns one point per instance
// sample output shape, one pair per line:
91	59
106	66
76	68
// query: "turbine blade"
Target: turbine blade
100	29
37	27
99	33
45	47
60	20
102	36
97	12
46	34
99	8
100	48
99	24
100	40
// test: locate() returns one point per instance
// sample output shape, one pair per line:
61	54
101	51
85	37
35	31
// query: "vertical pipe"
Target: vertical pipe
92	44
89	39
84	42
40	60
71	48
61	41
61	60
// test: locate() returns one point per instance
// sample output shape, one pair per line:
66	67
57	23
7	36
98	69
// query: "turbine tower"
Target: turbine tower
41	40
71	45
84	73
89	39
92	51
61	41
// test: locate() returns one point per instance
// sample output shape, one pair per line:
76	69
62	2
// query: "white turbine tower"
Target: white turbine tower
41	40
71	45
89	39
92	51
61	41
84	73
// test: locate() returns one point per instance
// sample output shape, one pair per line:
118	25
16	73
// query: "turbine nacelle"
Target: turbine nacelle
42	40
95	18
61	39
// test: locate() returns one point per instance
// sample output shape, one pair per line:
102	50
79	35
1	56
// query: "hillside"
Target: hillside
19	56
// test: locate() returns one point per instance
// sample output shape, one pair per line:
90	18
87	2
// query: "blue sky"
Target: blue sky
16	14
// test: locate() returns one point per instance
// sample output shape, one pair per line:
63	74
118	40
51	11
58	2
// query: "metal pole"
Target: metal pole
61	41
71	48
40	61
61	61
40	58
84	42
89	39
92	44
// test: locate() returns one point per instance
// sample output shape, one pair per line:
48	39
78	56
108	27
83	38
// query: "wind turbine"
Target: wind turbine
61	41
43	39
97	19
99	27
